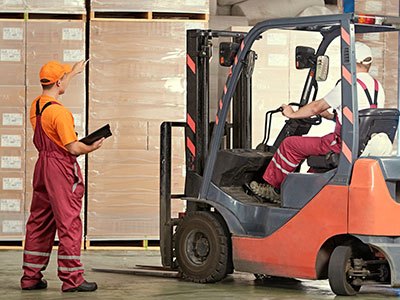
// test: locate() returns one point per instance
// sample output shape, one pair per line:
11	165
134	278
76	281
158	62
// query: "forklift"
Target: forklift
341	223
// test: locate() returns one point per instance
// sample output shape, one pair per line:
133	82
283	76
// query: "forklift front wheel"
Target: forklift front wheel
202	248
340	264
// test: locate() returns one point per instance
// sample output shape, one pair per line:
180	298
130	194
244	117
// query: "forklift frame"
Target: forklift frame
201	153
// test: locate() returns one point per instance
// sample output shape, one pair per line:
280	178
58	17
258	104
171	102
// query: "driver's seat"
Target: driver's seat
371	120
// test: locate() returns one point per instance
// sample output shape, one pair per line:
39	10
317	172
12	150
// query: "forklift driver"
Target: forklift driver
294	149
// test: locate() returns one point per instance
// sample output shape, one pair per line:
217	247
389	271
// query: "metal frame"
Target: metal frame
342	176
198	147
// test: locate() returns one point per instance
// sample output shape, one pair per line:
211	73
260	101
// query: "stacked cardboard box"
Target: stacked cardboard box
56	6
12	5
218	73
12	132
64	41
384	48
43	6
175	6
137	81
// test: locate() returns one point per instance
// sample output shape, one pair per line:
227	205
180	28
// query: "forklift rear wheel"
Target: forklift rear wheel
202	248
338	269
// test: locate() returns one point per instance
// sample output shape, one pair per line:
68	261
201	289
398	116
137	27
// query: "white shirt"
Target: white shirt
334	97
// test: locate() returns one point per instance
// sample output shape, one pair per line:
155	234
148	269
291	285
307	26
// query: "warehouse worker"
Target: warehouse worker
294	149
57	186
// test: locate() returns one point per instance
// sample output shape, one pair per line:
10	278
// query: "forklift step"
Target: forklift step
156	271
238	193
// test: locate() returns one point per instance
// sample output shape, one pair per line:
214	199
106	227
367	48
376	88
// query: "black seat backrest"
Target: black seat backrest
376	120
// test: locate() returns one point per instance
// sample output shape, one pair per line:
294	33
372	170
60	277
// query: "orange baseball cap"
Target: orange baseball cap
53	71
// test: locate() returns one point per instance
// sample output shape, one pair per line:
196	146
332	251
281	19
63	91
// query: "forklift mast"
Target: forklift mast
197	131
198	126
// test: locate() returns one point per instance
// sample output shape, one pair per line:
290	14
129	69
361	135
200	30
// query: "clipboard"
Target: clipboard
103	132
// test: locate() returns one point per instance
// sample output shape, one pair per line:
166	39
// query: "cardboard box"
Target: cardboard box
12	96
62	40
12	52
54	6
12	5
174	6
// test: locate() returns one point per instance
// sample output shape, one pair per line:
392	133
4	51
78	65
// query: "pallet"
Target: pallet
20	244
40	16
12	244
147	16
122	244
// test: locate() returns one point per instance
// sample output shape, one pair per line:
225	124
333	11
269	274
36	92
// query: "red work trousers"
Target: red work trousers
294	149
56	206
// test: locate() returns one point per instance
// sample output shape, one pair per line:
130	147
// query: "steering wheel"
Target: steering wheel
315	120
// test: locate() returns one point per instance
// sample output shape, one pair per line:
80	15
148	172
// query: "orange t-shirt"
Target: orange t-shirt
57	121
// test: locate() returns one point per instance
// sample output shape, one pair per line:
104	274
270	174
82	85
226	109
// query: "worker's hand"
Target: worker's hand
287	110
79	67
96	145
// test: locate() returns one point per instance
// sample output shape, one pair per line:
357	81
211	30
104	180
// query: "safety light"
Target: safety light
368	19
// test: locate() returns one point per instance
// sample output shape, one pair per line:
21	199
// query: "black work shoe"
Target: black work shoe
42	284
84	287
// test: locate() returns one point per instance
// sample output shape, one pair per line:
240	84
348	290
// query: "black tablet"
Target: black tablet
103	132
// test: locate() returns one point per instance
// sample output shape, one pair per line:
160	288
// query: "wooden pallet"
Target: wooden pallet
122	244
147	16
19	245
12	245
40	16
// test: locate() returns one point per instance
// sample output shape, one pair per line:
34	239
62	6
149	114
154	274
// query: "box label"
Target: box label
10	55
11	140
13	33
74	55
72	34
12	119
10	205
12	184
11	162
12	226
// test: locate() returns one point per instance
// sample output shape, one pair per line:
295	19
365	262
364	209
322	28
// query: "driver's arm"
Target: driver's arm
311	109
327	115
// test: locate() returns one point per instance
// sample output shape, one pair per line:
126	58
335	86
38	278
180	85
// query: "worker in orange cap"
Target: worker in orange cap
57	186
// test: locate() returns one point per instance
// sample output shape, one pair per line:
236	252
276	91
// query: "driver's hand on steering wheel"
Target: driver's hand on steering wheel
287	110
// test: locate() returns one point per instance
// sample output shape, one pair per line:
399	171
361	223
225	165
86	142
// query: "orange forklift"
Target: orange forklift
341	224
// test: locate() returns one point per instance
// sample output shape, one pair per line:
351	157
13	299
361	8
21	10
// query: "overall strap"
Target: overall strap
38	111
374	103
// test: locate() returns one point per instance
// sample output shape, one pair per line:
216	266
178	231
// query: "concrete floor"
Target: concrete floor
119	286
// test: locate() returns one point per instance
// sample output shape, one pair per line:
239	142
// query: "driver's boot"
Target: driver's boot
265	191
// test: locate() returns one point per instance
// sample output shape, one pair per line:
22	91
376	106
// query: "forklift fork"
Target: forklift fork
166	222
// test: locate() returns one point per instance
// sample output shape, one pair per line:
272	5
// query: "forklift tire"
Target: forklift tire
339	265
202	248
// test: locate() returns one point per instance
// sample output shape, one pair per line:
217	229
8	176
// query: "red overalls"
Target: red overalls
294	149
56	205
